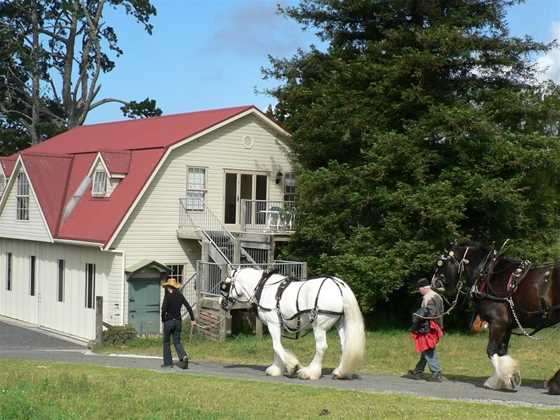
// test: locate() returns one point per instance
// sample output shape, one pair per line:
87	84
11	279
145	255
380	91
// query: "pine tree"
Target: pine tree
423	122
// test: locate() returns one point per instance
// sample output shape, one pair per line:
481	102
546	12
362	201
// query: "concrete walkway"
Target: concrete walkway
21	343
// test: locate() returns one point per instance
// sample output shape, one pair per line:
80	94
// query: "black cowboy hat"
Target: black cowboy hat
423	282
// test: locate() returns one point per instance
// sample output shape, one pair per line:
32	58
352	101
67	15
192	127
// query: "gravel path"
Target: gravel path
33	344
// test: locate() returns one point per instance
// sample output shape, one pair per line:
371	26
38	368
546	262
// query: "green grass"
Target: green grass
44	390
463	356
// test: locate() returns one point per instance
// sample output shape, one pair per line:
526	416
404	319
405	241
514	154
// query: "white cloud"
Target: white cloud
549	64
255	29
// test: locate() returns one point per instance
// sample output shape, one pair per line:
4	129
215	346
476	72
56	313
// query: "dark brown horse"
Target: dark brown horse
508	294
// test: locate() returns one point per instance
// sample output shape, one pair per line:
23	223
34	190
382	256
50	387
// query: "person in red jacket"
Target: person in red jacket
426	331
171	319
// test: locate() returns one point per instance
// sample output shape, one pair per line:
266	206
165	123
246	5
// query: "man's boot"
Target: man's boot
414	374
436	377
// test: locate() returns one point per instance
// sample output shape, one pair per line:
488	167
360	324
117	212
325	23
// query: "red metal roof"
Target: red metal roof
117	162
58	168
8	164
136	134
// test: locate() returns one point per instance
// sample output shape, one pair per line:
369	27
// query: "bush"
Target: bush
119	334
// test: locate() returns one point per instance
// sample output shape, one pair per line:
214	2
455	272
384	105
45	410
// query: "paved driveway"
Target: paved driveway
15	338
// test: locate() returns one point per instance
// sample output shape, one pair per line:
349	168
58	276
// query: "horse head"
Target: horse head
450	268
229	292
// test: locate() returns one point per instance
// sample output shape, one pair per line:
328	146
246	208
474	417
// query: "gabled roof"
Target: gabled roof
136	134
8	164
117	162
58	168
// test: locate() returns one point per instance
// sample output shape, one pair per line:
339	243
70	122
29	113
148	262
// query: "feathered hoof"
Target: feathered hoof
292	371
273	370
308	373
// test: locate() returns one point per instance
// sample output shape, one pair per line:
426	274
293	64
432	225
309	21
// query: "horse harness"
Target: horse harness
289	332
482	290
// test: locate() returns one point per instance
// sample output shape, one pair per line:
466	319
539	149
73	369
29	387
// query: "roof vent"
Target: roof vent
248	142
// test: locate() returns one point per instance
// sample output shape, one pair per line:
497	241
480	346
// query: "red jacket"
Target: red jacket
427	341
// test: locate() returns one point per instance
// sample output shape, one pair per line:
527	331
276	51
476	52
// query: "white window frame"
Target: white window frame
22	197
61	274
3	182
177	271
196	193
32	275
90	286
99	184
290	187
9	270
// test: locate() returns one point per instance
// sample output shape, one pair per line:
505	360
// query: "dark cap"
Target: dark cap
423	282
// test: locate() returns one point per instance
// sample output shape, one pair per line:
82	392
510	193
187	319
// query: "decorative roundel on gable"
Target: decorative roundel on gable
248	142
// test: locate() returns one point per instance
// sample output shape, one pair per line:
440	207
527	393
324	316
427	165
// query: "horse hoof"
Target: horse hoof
305	373
291	372
273	371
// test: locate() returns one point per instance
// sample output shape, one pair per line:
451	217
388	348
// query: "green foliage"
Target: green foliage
52	54
119	334
422	123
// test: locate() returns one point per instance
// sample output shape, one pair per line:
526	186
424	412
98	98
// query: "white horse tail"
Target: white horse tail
354	348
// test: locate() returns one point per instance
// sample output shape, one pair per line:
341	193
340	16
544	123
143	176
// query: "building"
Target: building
109	209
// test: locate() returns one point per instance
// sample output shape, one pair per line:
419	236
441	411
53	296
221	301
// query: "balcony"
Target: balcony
266	216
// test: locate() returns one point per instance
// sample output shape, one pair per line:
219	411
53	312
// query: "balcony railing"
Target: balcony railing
268	216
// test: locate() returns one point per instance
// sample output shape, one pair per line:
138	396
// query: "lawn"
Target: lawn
44	390
463	355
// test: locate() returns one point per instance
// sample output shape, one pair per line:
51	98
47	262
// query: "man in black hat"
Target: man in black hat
426	330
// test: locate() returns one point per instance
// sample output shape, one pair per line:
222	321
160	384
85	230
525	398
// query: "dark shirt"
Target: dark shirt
171	306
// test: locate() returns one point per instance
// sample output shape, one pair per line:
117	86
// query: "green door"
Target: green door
144	305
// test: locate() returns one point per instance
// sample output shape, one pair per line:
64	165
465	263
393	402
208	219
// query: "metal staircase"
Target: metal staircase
222	242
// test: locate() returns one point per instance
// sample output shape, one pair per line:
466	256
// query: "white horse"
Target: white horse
319	303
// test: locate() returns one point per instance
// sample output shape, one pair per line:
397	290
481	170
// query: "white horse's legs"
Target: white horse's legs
276	368
314	370
340	328
287	358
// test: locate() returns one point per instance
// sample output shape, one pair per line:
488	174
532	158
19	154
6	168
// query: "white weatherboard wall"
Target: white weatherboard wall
151	230
33	229
70	316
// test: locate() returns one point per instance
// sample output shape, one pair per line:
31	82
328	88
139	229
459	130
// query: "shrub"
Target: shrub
119	334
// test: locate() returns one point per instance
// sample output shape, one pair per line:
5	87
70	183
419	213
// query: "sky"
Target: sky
206	54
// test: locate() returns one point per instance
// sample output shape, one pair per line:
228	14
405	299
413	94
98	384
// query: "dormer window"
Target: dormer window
22	197
99	183
2	184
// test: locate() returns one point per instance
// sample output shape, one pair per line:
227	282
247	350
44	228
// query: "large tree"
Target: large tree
52	55
420	123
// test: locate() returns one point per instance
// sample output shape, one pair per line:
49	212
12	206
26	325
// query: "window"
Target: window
177	271
60	288
2	184
9	271
99	183
196	188
22	197
32	261
290	187
90	286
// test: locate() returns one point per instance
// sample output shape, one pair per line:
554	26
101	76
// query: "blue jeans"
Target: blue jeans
172	328
430	357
